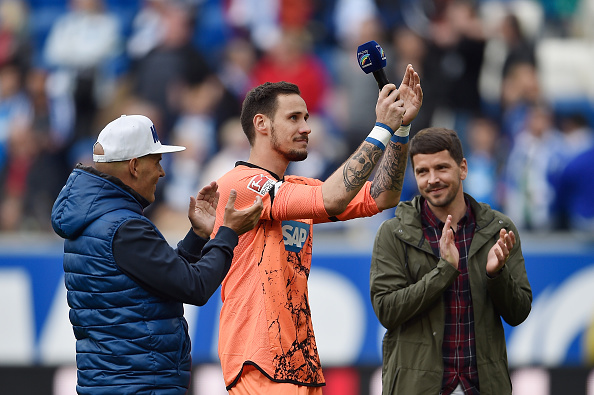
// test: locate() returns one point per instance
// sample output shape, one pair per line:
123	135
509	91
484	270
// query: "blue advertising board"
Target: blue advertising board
35	327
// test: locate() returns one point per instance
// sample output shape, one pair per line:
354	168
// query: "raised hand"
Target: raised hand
203	209
389	109
499	253
411	94
242	221
447	246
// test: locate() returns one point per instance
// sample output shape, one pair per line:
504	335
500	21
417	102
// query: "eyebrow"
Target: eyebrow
306	114
437	165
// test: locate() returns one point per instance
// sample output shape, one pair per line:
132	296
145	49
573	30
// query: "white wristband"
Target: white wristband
403	131
380	135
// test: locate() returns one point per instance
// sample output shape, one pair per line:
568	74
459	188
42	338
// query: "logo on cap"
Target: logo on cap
154	132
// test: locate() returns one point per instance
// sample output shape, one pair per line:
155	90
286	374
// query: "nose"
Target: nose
305	128
433	178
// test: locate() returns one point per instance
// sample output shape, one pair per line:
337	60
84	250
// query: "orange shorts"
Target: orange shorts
253	382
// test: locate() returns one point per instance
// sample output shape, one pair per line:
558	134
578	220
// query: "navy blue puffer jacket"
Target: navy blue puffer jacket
128	340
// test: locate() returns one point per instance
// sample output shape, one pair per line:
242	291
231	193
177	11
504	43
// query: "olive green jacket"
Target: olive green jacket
407	284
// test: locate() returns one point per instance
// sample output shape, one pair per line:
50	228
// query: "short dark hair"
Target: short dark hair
262	100
433	140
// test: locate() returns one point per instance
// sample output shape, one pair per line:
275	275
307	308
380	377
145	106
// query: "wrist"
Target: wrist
401	135
403	131
496	274
380	135
383	125
200	233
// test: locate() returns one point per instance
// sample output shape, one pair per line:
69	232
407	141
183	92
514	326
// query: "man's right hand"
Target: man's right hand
389	109
447	245
242	221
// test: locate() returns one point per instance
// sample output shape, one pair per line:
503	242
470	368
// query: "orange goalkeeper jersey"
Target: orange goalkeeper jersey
265	319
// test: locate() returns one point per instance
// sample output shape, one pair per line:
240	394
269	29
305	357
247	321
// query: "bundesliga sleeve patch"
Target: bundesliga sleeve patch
261	184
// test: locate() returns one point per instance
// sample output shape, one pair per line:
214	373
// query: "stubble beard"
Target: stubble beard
292	155
444	201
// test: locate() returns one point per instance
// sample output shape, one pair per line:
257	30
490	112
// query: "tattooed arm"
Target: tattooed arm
394	107
344	184
387	183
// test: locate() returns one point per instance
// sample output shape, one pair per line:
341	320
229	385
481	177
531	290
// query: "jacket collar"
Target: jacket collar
484	216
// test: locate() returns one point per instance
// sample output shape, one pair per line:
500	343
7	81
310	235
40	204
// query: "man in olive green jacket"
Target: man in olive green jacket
441	288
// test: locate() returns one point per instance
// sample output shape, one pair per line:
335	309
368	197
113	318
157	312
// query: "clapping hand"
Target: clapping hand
244	220
447	245
411	93
500	252
203	209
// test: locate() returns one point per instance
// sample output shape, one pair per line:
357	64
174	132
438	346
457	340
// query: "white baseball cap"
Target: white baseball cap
130	136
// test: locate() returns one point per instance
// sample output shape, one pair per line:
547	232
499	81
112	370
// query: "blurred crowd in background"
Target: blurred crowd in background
511	77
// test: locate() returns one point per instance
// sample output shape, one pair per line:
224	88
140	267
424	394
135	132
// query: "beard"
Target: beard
443	201
292	155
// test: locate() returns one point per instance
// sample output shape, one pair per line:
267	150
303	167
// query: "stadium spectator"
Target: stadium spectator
455	57
15	45
79	48
528	192
520	91
486	159
291	59
175	63
148	29
572	207
196	129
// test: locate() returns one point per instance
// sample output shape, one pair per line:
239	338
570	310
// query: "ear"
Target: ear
463	169
133	167
261	124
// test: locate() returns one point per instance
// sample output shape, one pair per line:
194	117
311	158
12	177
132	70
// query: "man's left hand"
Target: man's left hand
499	253
411	93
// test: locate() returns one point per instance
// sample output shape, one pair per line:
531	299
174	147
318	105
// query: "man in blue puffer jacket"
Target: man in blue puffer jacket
126	285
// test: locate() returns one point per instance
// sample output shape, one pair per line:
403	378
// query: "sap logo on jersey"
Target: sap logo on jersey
261	184
294	235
